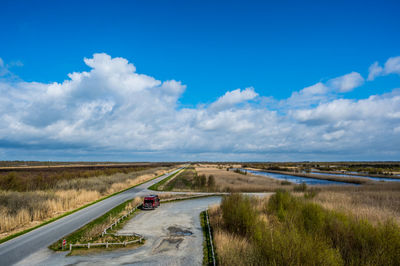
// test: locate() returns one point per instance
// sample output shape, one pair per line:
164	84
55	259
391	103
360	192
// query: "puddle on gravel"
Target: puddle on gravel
168	244
176	231
174	239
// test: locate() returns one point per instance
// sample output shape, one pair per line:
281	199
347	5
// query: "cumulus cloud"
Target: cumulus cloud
112	109
392	66
346	82
322	92
231	98
307	96
3	69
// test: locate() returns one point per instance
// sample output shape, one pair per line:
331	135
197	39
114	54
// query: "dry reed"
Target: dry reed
21	210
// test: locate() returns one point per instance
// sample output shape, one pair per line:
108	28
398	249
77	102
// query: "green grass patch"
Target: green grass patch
68	213
91	232
157	185
207	253
187	180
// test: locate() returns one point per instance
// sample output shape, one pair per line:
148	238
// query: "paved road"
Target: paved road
19	248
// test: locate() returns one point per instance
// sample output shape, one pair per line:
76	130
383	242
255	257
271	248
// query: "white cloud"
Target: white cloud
392	66
374	71
112	108
230	98
346	82
322	92
307	96
3	68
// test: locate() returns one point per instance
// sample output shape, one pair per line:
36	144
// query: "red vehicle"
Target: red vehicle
151	202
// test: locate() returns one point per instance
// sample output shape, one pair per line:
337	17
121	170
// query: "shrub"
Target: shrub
238	213
357	241
211	181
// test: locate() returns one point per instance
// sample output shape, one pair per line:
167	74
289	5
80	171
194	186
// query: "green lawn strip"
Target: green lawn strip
77	236
70	212
207	253
165	180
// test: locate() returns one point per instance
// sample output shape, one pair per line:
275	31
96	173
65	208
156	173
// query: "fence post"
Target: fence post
125	243
88	245
107	244
70	247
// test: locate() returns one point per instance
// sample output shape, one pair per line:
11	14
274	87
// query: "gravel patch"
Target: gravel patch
173	237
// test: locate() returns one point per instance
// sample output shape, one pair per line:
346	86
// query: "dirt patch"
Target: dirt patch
176	231
168	244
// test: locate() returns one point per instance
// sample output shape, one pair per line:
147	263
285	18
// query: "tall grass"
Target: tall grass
188	180
376	203
19	210
289	230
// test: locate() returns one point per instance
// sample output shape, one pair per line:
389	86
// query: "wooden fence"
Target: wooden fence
107	244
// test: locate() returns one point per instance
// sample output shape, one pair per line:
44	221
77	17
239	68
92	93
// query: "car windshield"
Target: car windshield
148	201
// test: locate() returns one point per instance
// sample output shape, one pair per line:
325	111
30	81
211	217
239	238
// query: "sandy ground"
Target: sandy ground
173	237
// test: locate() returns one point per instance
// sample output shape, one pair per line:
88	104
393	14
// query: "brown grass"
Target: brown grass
376	203
229	181
232	249
287	241
22	210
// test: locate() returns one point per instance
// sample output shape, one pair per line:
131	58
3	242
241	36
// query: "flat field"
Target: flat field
30	196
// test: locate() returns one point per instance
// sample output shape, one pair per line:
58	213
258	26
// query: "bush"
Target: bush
211	181
238	213
299	232
358	242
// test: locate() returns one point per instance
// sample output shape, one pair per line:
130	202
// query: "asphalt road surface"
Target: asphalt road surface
21	247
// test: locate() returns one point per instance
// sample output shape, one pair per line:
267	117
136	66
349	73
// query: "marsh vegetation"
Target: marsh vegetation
291	230
30	197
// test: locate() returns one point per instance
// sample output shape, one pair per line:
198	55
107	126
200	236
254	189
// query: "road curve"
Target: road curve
20	247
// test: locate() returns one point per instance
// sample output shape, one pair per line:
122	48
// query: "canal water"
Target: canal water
356	176
296	179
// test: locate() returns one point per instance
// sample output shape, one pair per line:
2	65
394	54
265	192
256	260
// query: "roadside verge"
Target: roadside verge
165	180
75	210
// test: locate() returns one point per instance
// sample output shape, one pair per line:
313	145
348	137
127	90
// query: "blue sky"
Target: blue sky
270	51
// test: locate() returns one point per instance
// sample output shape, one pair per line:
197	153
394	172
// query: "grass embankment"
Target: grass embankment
159	186
207	249
186	180
288	230
377	169
230	181
21	212
91	232
206	178
351	180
